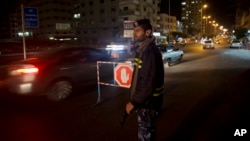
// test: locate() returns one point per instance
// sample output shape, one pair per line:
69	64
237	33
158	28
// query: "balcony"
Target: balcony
130	12
126	2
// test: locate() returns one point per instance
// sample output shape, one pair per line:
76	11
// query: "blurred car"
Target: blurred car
172	42
208	44
183	42
55	73
217	41
171	54
236	44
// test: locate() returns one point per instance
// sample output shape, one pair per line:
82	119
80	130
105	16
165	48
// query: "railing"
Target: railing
124	2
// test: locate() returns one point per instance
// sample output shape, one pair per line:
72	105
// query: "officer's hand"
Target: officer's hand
129	108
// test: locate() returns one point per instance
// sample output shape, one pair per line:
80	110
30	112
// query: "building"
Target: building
102	20
84	21
192	16
166	24
242	18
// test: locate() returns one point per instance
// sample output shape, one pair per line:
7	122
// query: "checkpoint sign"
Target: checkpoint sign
123	74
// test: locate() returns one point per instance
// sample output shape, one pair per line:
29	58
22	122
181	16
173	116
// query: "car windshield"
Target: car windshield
207	41
236	41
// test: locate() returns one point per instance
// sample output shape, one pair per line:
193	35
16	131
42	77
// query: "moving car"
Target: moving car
55	73
236	44
217	41
171	54
208	44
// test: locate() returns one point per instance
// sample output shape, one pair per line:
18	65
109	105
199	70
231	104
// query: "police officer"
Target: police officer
146	91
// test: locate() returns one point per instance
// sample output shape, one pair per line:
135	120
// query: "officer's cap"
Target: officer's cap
144	23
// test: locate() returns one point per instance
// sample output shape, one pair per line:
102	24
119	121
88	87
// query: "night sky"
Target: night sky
222	10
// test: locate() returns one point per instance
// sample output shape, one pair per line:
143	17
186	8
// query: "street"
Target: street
206	99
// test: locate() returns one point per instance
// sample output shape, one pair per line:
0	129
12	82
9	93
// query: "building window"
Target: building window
125	8
113	10
92	22
102	11
113	20
101	1
83	23
91	3
102	21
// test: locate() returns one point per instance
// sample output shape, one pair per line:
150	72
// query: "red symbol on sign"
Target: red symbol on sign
123	74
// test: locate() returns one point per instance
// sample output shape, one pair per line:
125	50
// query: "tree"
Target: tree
240	32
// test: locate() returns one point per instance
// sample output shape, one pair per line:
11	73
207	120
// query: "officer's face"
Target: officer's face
140	34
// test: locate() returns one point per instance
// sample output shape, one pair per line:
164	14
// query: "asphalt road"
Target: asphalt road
206	99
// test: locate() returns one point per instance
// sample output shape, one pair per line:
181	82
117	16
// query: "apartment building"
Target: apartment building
192	13
87	21
55	19
166	24
242	17
102	20
84	21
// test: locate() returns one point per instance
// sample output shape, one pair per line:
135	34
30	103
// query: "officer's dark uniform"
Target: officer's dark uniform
147	89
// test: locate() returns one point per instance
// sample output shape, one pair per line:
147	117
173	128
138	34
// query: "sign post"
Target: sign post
29	20
128	32
24	45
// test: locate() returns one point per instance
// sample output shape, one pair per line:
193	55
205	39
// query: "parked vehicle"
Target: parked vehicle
236	44
171	54
55	73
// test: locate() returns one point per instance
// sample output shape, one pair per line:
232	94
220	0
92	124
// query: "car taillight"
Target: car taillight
28	70
23	69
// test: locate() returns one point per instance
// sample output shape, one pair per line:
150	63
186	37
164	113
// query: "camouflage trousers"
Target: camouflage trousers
147	124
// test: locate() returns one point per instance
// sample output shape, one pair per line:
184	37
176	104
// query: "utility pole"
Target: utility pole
169	21
24	44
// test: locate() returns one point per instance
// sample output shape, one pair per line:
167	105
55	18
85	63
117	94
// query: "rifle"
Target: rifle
123	119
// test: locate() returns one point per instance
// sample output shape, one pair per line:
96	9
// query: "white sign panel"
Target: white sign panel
128	33
62	26
128	29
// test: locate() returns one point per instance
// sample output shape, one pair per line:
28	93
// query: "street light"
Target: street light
215	27
201	10
206	17
212	23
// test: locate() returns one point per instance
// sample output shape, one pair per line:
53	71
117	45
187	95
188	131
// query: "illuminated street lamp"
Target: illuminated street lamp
201	10
206	17
215	27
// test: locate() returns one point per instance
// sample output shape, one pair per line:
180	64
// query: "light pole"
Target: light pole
215	27
169	21
201	21
206	17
